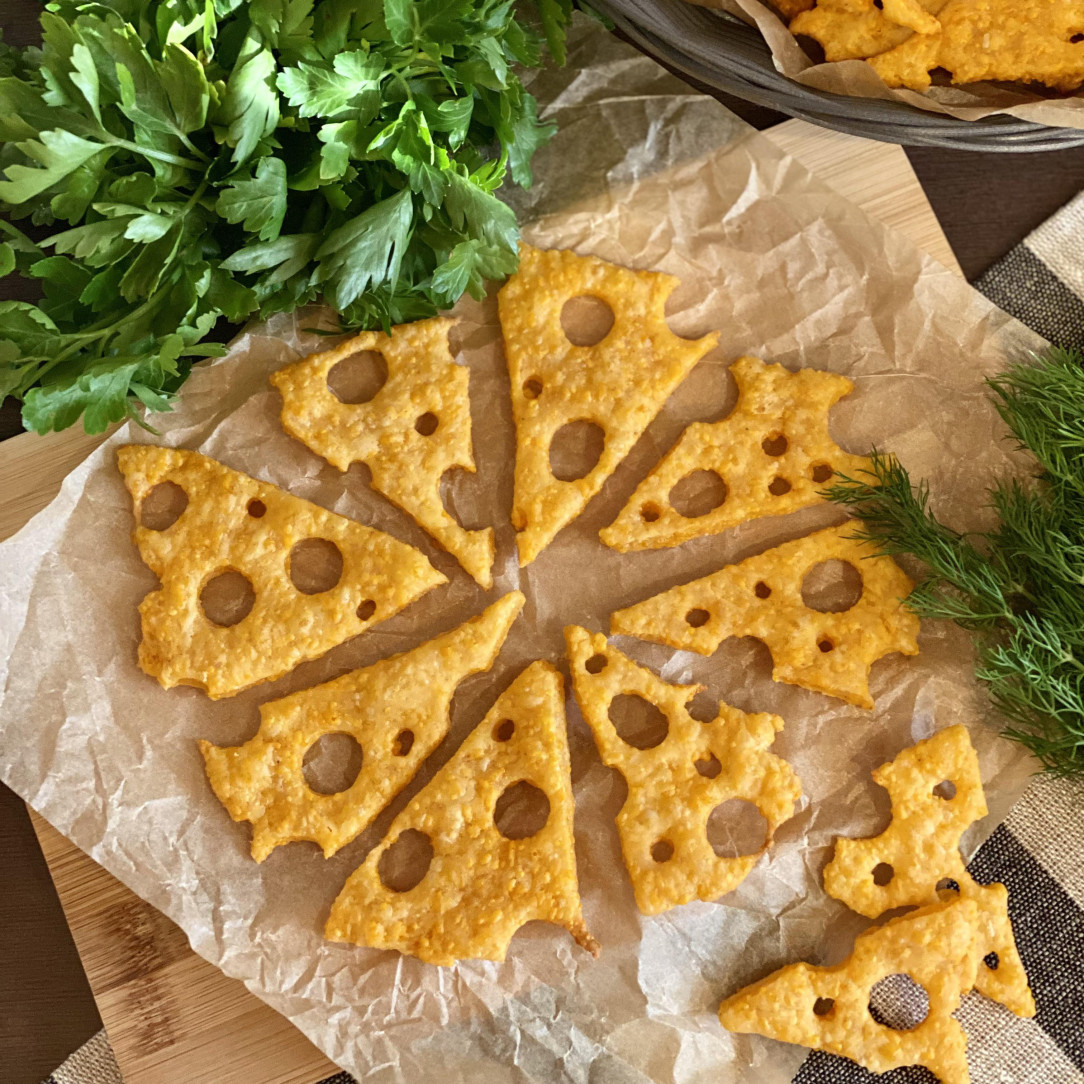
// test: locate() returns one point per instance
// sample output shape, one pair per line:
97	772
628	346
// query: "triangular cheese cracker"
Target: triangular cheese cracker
762	596
233	523
398	710
772	453
827	1008
416	427
618	384
936	794
674	786
480	886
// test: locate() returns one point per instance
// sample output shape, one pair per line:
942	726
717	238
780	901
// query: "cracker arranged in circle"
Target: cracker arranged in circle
761	596
770	456
233	524
828	1008
413	430
674	785
398	710
936	794
618	384
486	876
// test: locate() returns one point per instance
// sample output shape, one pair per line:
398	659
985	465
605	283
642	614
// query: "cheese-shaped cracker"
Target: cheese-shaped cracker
857	29
618	384
234	524
398	710
936	794
416	427
674	786
827	1008
480	886
773	454
762	596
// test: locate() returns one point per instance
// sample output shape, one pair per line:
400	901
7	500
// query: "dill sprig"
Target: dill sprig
1020	587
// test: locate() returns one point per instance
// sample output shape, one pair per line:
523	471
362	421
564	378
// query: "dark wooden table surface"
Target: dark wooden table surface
986	203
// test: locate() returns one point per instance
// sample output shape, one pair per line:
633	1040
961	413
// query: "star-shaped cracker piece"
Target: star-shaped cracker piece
761	596
858	29
397	710
414	429
618	384
235	525
936	793
674	785
486	876
770	456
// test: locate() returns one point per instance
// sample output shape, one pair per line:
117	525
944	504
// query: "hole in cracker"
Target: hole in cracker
638	722
649	513
708	765
532	388
703	707
366	609
227	598
882	874
697	618
945	790
832	587
992	960
162	507
256	509
898	1002
1076	39
403	865
821	472
825	645
946	888
504	730
737	829
521	811
879	4
358	378
941	77
662	850
576	449
774	445
823	1006
762	590
404	742
315	565
596	664
697	494
332	763
778	486
426	424
586	320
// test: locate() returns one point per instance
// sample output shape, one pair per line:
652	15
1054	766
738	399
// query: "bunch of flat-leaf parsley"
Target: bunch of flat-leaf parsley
1020	587
186	161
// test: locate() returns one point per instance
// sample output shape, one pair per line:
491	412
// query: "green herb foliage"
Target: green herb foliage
1020	587
187	161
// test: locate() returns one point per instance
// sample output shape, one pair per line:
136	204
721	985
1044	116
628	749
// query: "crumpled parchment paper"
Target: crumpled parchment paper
646	173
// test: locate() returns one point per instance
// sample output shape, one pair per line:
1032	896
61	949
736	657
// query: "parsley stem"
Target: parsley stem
161	156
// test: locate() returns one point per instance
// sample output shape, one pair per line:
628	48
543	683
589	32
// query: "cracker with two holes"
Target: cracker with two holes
234	523
830	653
619	384
936	793
827	1008
770	456
415	428
398	710
674	785
480	886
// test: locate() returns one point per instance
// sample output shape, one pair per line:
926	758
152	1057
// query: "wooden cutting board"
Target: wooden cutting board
172	1017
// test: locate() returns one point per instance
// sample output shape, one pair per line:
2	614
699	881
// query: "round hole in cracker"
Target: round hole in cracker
737	829
504	730
992	961
662	850
521	811
227	598
774	445
823	1006
825	645
762	590
821	472
586	320
162	507
315	565
366	610
832	587
358	378
638	722
708	765
945	790
703	707
596	664
332	763
697	494
946	888
882	874
404	742
1076	39
576	449
406	861
697	618
649	513
256	509
898	1002
778	486
427	424
532	388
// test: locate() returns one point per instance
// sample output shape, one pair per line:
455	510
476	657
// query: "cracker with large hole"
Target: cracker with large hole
828	1008
770	456
235	525
414	429
486	875
398	710
674	785
936	793
828	652
618	384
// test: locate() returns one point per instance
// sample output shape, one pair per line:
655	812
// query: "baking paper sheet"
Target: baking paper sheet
649	174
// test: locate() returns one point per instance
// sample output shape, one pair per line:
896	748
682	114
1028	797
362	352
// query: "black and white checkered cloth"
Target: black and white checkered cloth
1037	853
